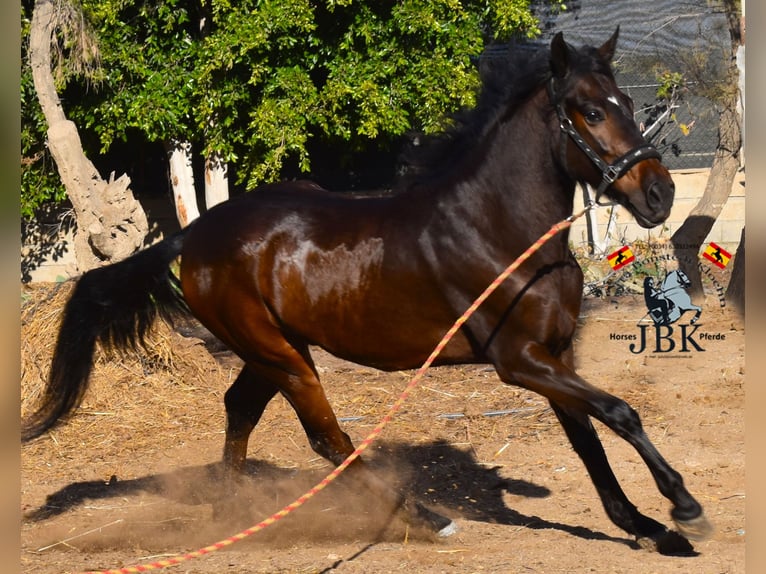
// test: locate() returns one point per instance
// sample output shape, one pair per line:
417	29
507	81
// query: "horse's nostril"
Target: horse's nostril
659	196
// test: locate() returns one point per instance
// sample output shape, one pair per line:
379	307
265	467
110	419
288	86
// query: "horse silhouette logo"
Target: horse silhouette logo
669	300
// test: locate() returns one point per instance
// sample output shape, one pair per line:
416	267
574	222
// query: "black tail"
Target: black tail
115	306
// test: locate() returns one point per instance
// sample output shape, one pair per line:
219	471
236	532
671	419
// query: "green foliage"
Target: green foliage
669	84
256	80
148	54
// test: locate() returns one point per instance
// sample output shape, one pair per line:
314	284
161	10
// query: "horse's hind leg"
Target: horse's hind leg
296	378
245	402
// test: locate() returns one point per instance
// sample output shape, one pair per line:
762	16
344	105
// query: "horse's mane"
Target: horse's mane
506	82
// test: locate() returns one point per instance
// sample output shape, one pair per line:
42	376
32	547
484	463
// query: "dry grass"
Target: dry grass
165	393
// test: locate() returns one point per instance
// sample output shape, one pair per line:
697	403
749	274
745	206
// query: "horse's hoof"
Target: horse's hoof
418	516
647	543
668	543
449	530
696	528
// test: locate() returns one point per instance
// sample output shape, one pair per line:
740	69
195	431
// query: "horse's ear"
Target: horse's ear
607	50
559	56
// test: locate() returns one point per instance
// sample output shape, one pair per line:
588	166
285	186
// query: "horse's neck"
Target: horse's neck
515	182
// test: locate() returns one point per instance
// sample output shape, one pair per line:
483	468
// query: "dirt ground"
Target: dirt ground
130	479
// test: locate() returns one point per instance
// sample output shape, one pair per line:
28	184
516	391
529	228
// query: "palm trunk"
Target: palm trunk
182	181
688	239
216	180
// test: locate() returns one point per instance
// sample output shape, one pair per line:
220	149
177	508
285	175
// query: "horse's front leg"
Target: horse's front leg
574	399
618	507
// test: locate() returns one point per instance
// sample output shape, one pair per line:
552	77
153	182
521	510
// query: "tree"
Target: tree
735	291
149	52
111	223
688	238
252	85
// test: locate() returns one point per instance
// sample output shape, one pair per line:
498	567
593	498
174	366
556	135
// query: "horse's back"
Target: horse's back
326	269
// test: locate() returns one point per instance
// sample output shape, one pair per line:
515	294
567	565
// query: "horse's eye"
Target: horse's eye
593	116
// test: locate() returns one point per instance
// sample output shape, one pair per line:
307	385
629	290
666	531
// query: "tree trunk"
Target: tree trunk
688	239
216	180
111	224
735	292
216	169
182	181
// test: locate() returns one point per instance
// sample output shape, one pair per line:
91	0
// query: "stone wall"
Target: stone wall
689	188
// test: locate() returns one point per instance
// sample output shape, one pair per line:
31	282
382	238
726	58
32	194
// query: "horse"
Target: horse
378	280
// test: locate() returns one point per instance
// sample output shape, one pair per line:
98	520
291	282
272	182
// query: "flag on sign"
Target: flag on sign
716	255
620	258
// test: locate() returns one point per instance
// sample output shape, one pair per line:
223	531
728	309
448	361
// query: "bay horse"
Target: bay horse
379	280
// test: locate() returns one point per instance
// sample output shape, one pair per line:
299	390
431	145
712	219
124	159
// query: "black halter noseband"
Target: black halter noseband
610	173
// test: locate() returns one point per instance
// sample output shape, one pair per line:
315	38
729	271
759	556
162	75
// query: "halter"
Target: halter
610	173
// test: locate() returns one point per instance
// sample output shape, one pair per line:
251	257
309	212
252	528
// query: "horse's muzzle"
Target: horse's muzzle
658	201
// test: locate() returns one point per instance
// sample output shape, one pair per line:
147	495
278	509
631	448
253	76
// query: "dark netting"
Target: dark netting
662	36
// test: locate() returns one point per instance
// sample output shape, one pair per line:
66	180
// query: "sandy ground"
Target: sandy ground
132	477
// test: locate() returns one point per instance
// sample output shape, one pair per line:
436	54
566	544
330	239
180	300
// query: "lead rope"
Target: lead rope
554	230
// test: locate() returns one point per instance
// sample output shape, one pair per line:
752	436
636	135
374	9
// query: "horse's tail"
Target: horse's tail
115	306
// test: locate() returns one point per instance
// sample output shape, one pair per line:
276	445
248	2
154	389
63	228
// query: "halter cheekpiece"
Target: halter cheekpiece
610	173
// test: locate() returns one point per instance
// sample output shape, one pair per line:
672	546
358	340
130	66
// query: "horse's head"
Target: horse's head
682	279
600	141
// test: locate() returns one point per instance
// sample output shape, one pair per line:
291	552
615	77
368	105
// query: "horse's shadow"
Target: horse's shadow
438	474
452	481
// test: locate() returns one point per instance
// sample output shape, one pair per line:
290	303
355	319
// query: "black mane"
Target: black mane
506	82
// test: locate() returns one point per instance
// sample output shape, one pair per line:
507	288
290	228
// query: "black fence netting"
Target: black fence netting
681	47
